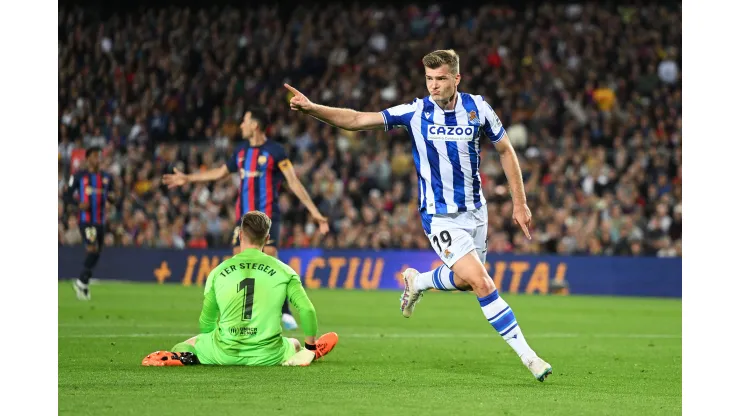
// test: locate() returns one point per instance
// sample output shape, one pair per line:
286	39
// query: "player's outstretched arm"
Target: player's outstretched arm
300	191
178	178
344	118
510	163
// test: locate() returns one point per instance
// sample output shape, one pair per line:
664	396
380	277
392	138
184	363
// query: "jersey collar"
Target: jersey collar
458	103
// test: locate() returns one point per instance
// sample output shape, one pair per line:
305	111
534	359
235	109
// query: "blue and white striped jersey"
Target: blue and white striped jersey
446	149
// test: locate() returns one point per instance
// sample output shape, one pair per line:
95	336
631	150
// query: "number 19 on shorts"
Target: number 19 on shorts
442	241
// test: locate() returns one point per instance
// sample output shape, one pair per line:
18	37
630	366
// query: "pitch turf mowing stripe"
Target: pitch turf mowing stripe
444	361
401	335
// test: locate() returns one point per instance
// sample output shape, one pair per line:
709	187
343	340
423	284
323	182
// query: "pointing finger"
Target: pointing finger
291	89
525	229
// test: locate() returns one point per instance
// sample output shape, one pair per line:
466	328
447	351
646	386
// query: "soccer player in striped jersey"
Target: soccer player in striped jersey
446	128
262	165
94	188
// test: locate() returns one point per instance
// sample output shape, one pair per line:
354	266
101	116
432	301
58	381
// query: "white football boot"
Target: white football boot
410	295
83	290
540	368
289	322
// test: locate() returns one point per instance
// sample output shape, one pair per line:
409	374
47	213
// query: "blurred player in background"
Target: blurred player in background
262	165
93	188
445	128
239	322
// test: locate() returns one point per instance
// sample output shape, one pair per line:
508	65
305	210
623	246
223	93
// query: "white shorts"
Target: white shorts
455	235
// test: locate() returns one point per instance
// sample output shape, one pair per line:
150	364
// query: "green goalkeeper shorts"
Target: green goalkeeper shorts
209	352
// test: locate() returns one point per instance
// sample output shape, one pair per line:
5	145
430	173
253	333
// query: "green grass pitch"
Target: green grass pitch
610	356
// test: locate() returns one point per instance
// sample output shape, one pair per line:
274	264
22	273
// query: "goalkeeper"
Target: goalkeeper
240	320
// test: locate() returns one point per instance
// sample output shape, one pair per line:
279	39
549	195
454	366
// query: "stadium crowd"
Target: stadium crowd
589	94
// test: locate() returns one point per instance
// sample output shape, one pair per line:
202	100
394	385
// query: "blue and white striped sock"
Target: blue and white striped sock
502	319
441	278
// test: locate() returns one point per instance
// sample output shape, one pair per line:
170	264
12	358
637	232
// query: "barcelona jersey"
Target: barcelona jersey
92	189
261	177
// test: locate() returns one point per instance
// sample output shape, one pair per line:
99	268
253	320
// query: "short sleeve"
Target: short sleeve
399	116
280	155
491	123
232	164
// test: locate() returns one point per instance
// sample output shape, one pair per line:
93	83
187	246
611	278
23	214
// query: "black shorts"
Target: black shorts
273	240
92	235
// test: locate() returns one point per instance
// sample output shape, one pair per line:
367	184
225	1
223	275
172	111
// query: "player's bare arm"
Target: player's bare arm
344	118
173	180
510	163
299	190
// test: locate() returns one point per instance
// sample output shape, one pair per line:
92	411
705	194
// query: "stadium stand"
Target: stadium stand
590	96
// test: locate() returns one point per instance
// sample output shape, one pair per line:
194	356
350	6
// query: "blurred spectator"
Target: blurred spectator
590	94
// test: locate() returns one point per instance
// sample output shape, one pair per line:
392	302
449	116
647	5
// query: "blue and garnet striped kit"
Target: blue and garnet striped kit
92	188
261	177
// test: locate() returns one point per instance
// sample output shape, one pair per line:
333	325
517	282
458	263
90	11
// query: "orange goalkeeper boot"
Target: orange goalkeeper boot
326	343
169	359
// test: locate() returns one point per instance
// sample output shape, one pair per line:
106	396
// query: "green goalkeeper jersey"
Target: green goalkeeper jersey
243	303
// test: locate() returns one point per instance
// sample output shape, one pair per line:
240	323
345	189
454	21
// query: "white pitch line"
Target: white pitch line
188	334
409	335
493	334
119	324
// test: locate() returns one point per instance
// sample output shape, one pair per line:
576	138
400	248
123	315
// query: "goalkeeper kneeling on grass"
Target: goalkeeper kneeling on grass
242	308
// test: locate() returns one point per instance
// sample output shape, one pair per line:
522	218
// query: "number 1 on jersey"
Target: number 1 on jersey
247	283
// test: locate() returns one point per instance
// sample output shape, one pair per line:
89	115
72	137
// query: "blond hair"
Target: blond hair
256	227
441	57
